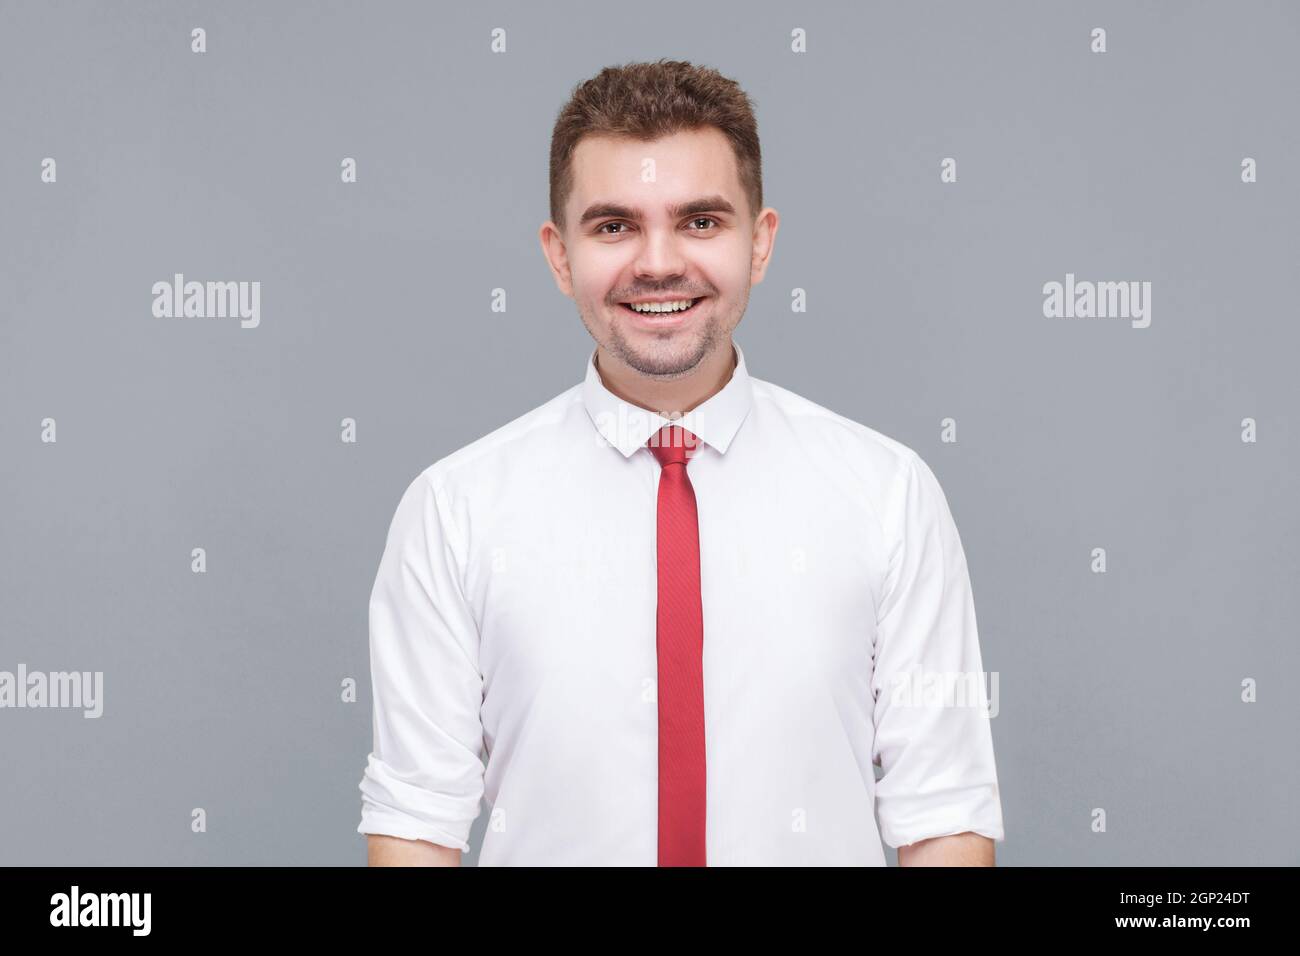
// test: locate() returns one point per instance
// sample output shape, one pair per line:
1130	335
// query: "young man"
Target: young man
681	610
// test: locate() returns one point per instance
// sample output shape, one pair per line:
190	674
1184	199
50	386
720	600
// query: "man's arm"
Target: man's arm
386	850
958	849
423	783
935	750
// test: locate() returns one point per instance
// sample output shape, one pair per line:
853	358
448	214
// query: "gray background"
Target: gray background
1117	690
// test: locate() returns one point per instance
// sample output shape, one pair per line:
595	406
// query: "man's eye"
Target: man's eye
606	226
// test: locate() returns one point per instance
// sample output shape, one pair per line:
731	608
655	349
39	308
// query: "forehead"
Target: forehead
684	164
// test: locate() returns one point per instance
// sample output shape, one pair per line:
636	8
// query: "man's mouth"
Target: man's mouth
662	311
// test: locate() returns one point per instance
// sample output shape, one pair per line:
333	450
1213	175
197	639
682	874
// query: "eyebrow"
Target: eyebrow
601	209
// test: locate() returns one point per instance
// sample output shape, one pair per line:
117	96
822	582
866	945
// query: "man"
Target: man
681	611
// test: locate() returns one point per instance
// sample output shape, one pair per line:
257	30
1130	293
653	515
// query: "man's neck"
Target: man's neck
668	398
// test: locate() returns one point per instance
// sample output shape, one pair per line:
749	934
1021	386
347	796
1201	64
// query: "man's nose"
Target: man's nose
660	254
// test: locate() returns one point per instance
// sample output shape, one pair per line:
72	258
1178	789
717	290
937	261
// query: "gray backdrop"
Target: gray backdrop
222	690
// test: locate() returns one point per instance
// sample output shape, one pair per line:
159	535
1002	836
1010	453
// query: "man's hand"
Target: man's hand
958	849
394	851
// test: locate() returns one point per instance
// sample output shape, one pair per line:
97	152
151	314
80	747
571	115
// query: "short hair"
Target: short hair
647	101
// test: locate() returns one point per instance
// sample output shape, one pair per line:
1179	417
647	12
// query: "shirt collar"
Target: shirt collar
628	427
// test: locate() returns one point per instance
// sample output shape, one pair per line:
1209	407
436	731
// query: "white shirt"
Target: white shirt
513	617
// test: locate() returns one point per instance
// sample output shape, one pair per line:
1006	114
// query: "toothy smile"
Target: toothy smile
659	308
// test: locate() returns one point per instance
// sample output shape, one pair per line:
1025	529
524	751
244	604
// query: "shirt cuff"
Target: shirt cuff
910	819
393	807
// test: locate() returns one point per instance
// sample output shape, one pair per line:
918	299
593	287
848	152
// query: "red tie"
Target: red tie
680	623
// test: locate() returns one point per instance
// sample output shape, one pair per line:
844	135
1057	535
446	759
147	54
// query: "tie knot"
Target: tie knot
673	445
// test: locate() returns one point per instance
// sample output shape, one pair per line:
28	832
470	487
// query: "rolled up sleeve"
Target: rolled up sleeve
933	740
424	778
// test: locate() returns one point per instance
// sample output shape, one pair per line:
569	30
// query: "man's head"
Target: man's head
656	194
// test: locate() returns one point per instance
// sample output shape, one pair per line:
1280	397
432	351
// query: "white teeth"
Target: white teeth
661	306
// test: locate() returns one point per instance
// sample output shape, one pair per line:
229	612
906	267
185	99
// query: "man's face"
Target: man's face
654	221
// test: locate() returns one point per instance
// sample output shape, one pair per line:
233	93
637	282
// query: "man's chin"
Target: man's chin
664	356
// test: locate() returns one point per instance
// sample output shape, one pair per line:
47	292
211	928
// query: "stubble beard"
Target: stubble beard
670	355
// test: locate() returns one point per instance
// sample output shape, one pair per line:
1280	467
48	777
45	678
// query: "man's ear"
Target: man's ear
557	256
765	226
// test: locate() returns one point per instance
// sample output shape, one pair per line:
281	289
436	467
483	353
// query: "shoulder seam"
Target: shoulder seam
445	469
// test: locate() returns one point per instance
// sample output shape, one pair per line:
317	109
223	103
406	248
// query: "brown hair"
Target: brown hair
647	101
